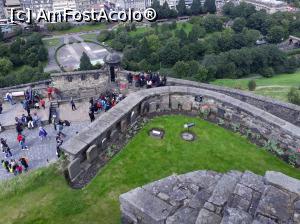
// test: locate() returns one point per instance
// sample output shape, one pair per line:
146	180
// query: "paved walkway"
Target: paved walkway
40	153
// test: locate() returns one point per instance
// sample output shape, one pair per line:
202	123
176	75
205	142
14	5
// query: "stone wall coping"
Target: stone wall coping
22	86
62	74
86	137
235	91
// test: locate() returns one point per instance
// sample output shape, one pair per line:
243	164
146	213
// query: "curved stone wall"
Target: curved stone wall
260	126
285	111
207	197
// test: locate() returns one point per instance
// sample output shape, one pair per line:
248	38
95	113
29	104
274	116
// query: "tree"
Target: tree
210	6
276	34
5	66
165	10
85	62
181	35
181	8
239	24
104	35
195	33
180	69
196	7
42	53
144	49
212	23
252	85
294	96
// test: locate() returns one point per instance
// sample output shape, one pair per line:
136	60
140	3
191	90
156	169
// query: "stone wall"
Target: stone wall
207	197
285	111
80	84
260	126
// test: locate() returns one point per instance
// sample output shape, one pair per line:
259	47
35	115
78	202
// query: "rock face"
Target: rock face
207	197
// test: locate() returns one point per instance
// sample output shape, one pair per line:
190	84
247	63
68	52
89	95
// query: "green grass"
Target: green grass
44	197
276	87
83	28
89	37
55	42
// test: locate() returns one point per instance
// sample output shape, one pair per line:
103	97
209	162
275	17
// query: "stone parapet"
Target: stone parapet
207	197
258	125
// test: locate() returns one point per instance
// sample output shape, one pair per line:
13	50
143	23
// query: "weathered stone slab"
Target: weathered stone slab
184	215
253	181
283	181
275	203
153	107
124	125
74	168
243	191
165	185
92	153
114	135
148	208
223	190
236	216
207	217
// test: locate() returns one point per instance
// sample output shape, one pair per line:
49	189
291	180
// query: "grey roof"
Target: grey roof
112	58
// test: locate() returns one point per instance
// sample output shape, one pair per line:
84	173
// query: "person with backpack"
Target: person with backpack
42	133
5	148
24	163
21	140
5	165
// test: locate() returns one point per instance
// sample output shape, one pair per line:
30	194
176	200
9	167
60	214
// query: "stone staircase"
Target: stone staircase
208	197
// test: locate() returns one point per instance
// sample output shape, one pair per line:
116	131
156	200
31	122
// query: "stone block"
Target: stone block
207	217
74	168
243	191
223	190
114	136
153	107
145	107
283	181
183	215
253	181
236	216
92	153
164	103
145	206
275	203
104	144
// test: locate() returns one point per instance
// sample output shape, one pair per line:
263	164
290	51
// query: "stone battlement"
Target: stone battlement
258	125
208	197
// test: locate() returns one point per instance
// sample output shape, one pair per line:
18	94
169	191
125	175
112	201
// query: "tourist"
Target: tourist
21	140
19	169
149	84
59	128
91	101
49	92
91	114
42	133
9	97
1	108
24	163
5	148
30	122
59	142
129	78
5	165
36	120
73	104
43	103
19	128
23	119
13	166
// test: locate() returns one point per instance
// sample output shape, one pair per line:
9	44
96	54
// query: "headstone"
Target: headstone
92	153
74	168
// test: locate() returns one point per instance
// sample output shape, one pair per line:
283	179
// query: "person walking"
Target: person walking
30	124
42	133
43	103
5	148
92	115
21	140
10	98
73	104
1	108
59	142
5	165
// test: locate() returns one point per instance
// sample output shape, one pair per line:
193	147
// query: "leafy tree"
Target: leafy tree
210	6
181	35
180	69
196	7
239	24
294	96
42	53
85	62
169	54
181	8
252	85
195	33
144	49
212	23
276	34
165	10
104	35
5	66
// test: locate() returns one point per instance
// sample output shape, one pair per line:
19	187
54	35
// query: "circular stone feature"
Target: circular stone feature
187	136
157	133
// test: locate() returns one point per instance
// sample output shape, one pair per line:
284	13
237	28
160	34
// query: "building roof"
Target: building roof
112	58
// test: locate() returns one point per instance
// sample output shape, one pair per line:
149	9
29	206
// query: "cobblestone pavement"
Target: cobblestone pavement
40	153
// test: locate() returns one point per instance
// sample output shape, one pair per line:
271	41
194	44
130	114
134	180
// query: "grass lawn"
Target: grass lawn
83	28
55	42
44	197
89	37
276	87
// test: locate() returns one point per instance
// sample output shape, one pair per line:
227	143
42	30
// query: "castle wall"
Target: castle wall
261	127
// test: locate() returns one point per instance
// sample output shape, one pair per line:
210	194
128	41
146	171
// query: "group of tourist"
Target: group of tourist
147	79
104	103
15	167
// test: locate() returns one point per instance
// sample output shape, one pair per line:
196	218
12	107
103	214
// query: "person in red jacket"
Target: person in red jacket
21	140
49	92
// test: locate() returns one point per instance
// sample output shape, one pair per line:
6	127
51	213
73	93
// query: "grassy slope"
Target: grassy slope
79	29
45	198
54	42
276	87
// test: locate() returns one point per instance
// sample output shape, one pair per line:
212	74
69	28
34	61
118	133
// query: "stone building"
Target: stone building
208	197
271	6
